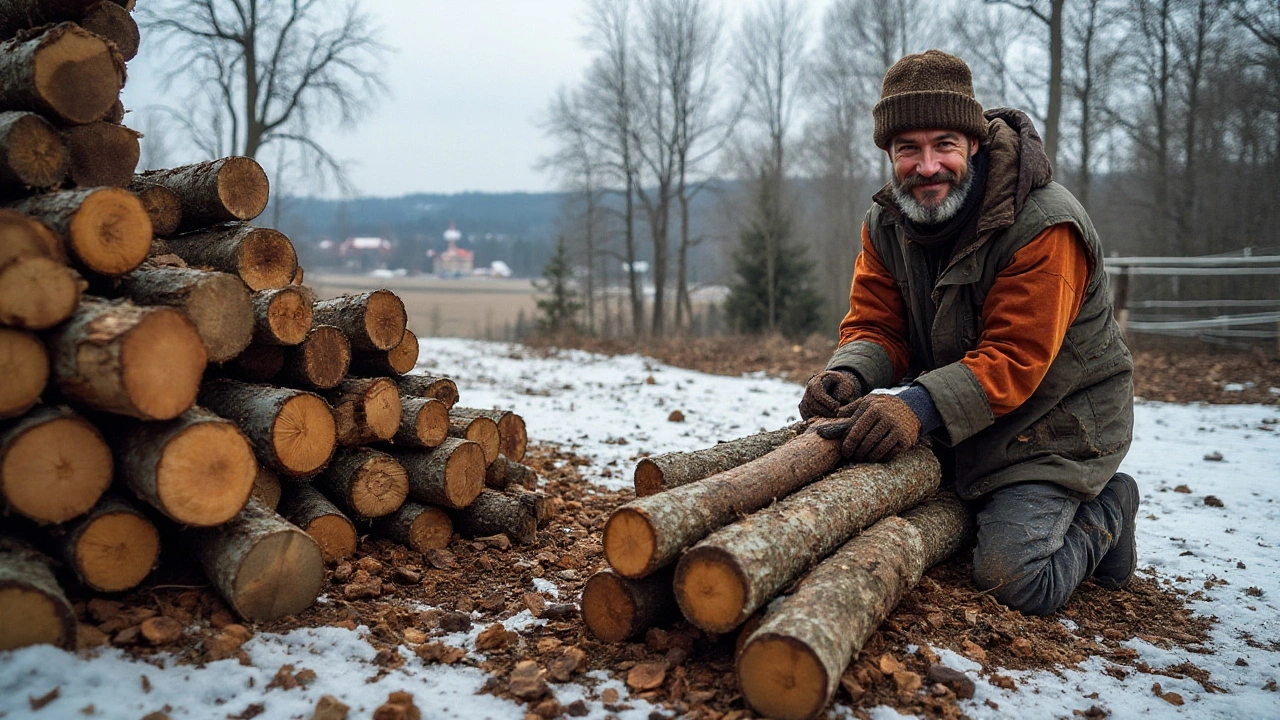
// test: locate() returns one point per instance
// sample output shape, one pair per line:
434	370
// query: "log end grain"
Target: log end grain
322	360
243	188
482	431
205	474
162	360
384	319
424	422
222	309
782	678
630	543
280	574
711	589
608	609
116	551
55	466
266	259
431	530
77	74
103	154
34	153
335	535
286	316
114	23
648	478
110	233
304	434
22	235
380	487
382	408
441	388
24	365
404	356
513	437
37	293
464	475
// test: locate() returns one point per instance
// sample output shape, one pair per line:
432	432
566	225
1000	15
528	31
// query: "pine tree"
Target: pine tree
558	311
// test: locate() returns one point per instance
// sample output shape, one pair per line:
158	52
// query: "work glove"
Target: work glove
827	392
877	428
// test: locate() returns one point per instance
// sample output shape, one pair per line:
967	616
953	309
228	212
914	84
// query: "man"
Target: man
981	282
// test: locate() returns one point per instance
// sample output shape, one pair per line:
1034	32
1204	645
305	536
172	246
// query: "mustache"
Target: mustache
915	180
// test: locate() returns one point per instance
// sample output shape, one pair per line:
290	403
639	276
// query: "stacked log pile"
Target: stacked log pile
168	376
770	536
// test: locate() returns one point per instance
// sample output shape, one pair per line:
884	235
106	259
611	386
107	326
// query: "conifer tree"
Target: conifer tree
559	309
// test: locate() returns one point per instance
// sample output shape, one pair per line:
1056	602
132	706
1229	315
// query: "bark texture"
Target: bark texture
364	482
424	422
233	188
37	293
312	512
504	472
513	438
282	316
396	361
440	388
258	363
292	431
494	512
320	361
24	364
366	410
451	475
64	72
416	526
102	154
105	231
263	258
663	472
34	608
22	236
371	321
32	154
218	303
114	547
54	465
162	206
615	608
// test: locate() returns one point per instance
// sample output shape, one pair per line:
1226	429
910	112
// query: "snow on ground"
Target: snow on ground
605	409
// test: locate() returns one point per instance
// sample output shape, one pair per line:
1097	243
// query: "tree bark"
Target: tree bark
114	547
451	475
320	361
37	293
364	482
162	206
264	567
65	73
105	231
312	512
663	472
54	465
424	422
371	321
29	591
144	362
217	191
24	364
650	532
218	303
102	154
513	438
494	512
266	488
366	410
790	667
615	608
292	431
282	316
478	429
418	527
263	258
114	23
396	361
196	469
722	580
258	363
32	153
440	388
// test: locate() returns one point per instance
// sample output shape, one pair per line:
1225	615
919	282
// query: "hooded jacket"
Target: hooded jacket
1020	353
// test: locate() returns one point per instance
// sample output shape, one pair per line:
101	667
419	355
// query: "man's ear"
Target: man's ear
974	144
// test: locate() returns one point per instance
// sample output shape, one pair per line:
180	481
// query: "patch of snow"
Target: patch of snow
544	585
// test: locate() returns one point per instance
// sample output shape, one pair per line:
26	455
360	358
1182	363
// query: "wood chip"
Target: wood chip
526	681
330	708
38	703
647	676
494	637
562	667
161	630
907	681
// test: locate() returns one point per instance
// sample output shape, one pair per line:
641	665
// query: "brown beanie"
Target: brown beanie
930	90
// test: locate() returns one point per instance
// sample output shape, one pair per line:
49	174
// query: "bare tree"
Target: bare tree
1089	83
1050	14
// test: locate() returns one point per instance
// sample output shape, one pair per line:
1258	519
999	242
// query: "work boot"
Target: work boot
1115	569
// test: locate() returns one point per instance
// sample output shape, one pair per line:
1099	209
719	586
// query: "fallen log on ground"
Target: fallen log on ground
513	438
416	526
790	667
312	512
54	465
320	361
479	429
218	303
113	548
663	472
102	154
217	191
723	579
263	258
34	608
104	231
65	73
371	321
424	422
32	154
364	482
396	361
292	431
366	410
494	512
24	365
282	316
432	386
450	476
37	292
615	608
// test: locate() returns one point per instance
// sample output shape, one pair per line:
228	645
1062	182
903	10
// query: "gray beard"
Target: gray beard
944	211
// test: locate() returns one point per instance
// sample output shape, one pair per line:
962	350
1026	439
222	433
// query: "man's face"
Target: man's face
929	166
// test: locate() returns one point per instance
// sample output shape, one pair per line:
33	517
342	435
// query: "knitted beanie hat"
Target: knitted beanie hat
930	90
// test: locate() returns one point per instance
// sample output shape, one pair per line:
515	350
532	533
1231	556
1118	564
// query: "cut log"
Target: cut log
162	206
418	527
371	321
429	386
233	188
366	410
263	258
37	293
537	500
266	488
218	303
451	475
116	113
305	507
396	361
504	472
196	469
791	666
494	512
103	230
292	431
65	72
320	361
479	429
23	236
33	609
615	608
424	422
24	365
114	23
364	482
19	15
32	154
662	472
258	363
114	547
650	532
264	567
737	569
513	439
54	465
103	154
144	362
282	316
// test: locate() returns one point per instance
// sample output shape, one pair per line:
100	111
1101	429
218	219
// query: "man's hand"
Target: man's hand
878	428
827	392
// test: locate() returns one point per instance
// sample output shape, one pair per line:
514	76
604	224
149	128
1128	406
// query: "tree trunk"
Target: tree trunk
102	154
790	667
615	608
114	23
32	153
504	472
663	472
217	191
54	465
218	303
440	388
736	570
320	361
513	439
114	547
494	512
650	532
418	527
292	431
424	422
35	609
282	316
365	409
478	429
312	512
197	469
266	489
162	206
144	362
22	236
262	257
103	230
396	361
258	363
371	321
24	365
450	476
37	293
264	567
365	483
65	73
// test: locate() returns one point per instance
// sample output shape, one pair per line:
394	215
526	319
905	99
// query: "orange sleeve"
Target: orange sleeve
1026	315
876	310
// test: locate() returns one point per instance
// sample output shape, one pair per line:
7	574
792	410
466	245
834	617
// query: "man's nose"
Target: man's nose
929	163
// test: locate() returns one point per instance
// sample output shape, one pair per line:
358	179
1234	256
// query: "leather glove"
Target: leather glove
878	428
827	392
